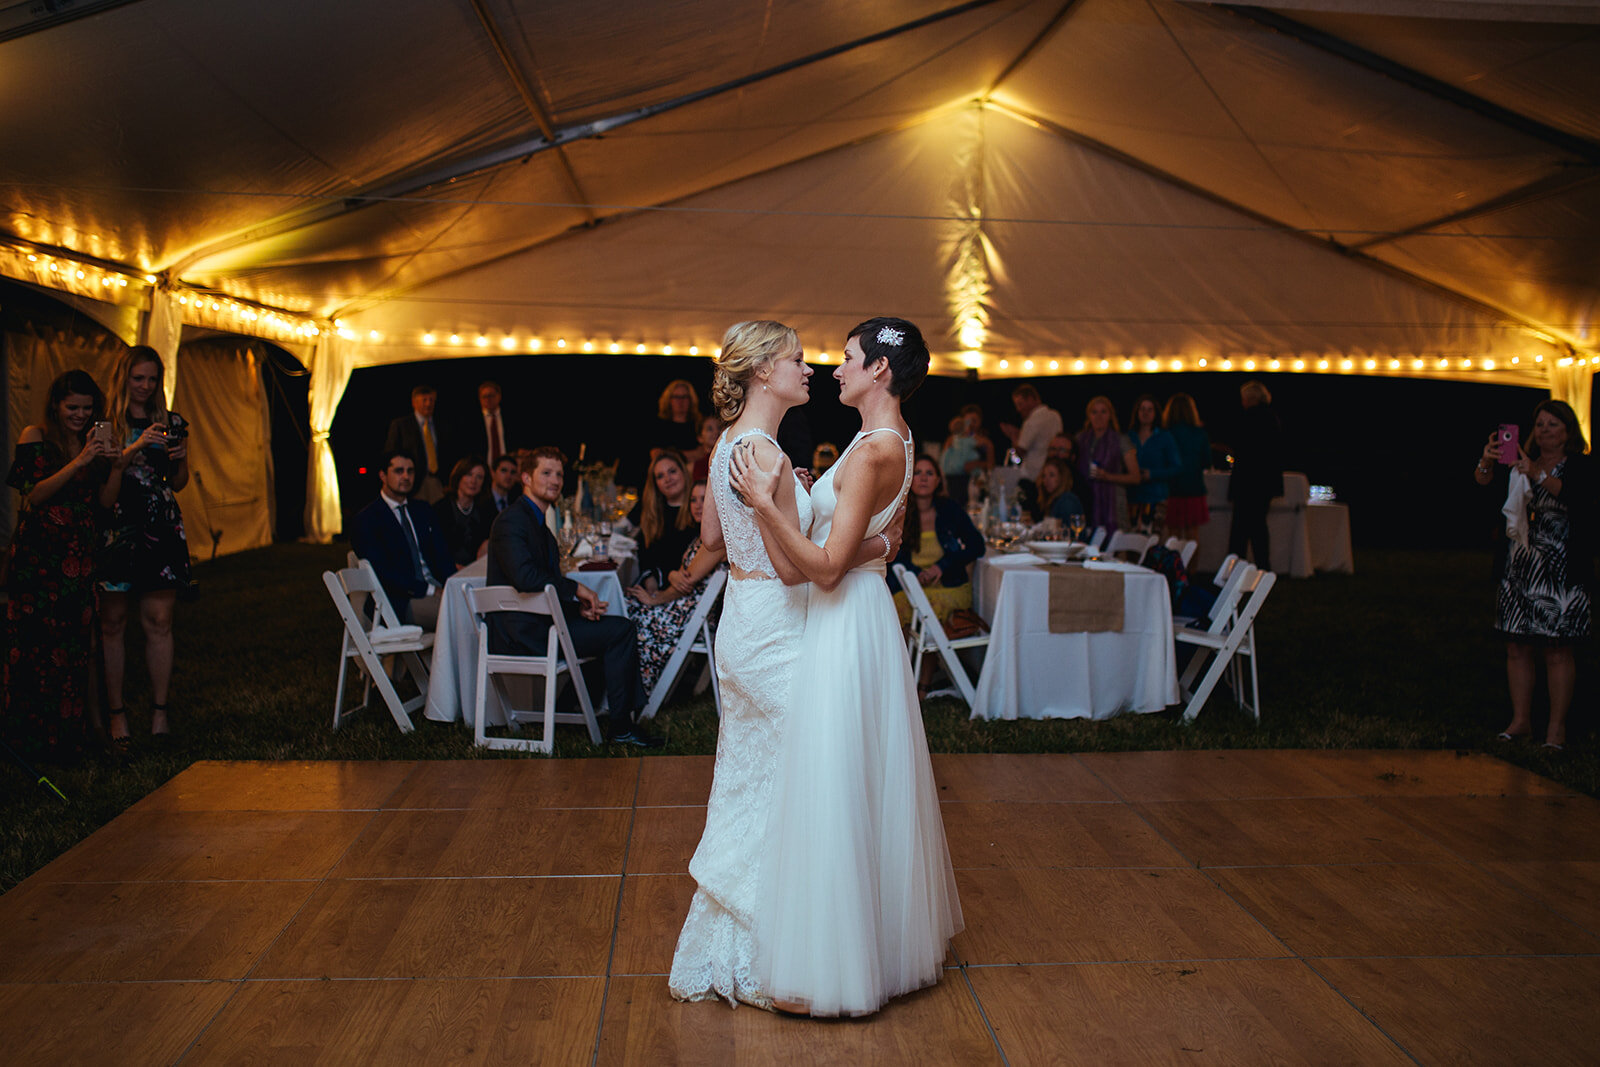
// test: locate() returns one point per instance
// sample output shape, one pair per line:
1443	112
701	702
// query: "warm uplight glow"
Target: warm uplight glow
1467	363
1444	364
1539	358
1488	364
1394	364
972	360
1515	360
1346	364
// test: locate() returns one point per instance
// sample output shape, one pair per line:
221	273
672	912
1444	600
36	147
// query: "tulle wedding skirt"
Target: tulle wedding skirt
858	899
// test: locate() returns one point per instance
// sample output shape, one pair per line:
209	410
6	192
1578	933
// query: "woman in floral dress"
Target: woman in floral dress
662	614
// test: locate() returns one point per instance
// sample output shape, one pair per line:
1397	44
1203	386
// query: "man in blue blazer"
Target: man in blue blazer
401	539
523	554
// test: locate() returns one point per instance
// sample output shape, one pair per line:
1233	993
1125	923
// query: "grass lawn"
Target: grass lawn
1397	656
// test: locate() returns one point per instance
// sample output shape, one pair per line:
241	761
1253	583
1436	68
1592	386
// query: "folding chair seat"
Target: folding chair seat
696	639
559	659
927	635
371	641
1230	637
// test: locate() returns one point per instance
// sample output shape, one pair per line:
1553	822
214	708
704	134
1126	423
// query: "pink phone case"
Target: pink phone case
1508	444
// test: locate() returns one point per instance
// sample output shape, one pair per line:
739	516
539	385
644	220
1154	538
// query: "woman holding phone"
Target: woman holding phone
144	554
1542	604
65	471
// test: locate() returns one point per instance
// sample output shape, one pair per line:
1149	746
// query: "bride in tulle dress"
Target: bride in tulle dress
857	900
761	373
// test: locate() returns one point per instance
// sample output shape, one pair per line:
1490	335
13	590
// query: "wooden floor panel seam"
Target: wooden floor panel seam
616	916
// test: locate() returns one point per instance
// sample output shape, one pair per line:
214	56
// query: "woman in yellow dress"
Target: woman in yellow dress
938	545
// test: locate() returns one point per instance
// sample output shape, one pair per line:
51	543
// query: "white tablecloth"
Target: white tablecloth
453	673
1328	531
1031	673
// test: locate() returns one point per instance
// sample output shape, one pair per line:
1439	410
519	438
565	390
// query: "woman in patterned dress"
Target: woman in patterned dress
661	614
64	474
1543	601
144	555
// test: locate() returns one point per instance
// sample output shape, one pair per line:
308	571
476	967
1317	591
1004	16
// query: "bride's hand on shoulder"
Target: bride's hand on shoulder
805	476
750	479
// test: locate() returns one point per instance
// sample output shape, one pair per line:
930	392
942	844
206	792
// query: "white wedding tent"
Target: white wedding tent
1047	186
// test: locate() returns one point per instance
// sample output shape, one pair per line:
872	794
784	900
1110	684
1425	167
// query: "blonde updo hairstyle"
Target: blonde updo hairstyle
746	348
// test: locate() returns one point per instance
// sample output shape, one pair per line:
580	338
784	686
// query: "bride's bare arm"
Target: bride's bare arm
847	546
786	508
711	525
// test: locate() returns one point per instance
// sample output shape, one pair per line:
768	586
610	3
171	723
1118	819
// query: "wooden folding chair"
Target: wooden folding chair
696	639
371	641
927	635
559	658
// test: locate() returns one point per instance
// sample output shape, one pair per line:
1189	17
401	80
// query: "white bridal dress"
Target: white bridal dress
757	645
859	900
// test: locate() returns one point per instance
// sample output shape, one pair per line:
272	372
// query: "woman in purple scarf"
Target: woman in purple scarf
1101	448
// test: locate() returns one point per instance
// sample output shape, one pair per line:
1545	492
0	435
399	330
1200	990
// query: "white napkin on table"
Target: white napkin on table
621	546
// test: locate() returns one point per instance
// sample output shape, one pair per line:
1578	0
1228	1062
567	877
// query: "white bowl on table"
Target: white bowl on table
1056	551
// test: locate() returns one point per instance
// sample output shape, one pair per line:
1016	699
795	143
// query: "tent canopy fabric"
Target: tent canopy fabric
1406	187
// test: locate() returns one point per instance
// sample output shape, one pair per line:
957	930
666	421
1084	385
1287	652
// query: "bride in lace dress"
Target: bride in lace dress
761	373
857	899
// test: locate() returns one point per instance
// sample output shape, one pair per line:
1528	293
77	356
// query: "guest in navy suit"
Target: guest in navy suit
523	555
505	485
401	539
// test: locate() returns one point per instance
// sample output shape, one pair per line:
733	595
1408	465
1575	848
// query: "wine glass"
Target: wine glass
567	540
1076	524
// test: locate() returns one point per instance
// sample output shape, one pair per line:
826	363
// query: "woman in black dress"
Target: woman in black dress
464	513
1542	606
663	517
65	475
144	555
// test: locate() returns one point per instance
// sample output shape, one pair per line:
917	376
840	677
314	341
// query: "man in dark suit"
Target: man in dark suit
490	438
505	484
1257	477
523	555
401	539
417	435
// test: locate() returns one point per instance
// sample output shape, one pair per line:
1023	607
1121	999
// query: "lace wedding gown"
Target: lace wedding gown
858	899
757	645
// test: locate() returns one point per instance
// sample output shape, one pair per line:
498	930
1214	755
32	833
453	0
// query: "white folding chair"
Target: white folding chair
1136	544
1097	538
696	638
1225	570
927	635
1231	635
371	641
1184	549
559	658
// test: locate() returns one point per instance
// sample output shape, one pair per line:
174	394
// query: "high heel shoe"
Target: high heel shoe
166	721
124	744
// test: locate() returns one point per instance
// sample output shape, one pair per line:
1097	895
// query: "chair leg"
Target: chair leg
1219	665
338	694
387	691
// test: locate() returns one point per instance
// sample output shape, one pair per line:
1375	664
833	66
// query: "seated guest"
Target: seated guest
1056	498
938	545
662	518
662	614
523	554
463	515
711	429
1064	447
400	538
505	485
417	435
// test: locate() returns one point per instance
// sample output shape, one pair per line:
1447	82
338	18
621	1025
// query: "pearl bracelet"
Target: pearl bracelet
887	544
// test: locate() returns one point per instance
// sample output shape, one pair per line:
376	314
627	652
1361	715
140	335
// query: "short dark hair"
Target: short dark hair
506	457
1025	391
908	356
423	390
1576	445
388	457
528	458
488	385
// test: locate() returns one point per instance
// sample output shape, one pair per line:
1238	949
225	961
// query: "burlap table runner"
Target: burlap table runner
1084	601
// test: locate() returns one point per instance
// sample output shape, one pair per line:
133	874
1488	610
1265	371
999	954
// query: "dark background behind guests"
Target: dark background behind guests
1340	428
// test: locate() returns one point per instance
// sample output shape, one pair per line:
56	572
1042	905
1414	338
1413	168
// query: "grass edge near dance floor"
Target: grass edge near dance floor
1399	655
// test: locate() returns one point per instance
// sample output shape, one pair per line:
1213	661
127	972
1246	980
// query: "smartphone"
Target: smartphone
103	432
1507	436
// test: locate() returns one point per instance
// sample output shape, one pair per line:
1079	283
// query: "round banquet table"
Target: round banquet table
454	670
1031	673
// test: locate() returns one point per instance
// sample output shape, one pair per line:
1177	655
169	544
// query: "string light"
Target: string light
588	346
666	350
614	348
508	342
1054	364
455	338
1201	362
1299	364
534	344
639	350
1151	364
1004	364
1372	364
561	342
1105	364
694	350
1027	364
1275	364
1227	364
1249	364
1322	364
1177	364
1077	364
482	341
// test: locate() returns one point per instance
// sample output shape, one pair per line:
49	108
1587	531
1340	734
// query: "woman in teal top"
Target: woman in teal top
1186	501
1158	460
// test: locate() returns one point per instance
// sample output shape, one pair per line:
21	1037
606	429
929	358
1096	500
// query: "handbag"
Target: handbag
964	622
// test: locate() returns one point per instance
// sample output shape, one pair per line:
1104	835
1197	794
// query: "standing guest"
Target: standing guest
1257	473
523	555
144	555
966	451
938	544
823	456
1186	505
489	439
504	485
711	429
1544	607
63	472
662	516
417	435
1062	446
1101	452
1056	498
1150	459
661	614
464	515
399	537
677	418
1039	425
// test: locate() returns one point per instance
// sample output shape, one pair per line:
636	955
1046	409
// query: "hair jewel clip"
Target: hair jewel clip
891	336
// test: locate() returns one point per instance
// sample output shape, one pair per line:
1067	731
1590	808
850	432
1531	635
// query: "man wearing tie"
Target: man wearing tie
523	554
491	424
401	539
417	435
505	483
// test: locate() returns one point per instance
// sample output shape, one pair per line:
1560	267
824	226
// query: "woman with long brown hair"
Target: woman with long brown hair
663	517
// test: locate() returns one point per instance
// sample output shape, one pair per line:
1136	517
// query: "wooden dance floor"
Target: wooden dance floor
1163	907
